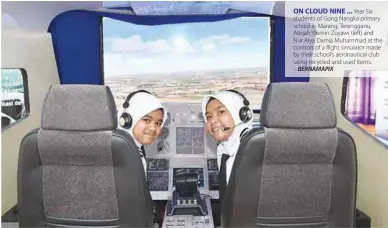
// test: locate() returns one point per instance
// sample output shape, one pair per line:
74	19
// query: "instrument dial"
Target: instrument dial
164	133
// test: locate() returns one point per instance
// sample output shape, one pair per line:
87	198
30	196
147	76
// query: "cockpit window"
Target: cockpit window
184	62
14	97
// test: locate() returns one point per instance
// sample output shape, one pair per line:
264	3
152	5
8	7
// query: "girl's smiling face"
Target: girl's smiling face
218	117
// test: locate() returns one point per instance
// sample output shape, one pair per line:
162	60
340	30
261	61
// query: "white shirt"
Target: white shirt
143	160
229	165
230	148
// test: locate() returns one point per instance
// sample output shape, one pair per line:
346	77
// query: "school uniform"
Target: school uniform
227	150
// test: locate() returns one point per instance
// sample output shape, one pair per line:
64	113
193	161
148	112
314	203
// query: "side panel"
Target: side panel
372	157
33	52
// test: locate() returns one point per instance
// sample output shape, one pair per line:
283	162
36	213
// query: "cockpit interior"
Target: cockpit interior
311	159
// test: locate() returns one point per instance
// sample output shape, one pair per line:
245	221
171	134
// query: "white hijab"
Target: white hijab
140	105
233	102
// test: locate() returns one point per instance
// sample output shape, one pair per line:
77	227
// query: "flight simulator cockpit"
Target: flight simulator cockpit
182	167
180	64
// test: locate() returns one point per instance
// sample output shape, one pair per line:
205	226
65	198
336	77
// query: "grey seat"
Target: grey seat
298	169
78	169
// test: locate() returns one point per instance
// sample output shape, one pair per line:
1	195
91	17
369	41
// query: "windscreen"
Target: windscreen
184	62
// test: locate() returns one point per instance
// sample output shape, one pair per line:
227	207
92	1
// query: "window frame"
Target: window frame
271	68
343	109
26	96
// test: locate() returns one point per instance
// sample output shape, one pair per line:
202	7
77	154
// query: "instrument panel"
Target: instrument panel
183	134
183	145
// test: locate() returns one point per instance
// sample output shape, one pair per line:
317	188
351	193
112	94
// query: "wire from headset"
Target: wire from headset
125	120
245	112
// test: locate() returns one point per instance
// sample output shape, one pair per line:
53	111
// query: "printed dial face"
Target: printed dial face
200	116
164	134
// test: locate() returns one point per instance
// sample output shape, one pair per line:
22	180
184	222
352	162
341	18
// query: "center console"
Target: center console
187	207
189	220
182	171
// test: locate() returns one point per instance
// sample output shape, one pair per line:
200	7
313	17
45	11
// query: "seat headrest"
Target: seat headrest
79	108
298	105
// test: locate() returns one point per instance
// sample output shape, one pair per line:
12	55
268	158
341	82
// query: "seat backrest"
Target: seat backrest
300	169
78	169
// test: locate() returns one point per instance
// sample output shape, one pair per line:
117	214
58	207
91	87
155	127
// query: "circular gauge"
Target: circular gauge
164	133
200	116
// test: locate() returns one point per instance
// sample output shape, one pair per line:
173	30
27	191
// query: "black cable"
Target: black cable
207	195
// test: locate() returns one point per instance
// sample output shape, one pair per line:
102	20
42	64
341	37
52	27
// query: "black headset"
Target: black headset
245	112
125	118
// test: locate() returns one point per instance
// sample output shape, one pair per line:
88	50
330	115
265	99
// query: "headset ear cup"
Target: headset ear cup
245	114
125	120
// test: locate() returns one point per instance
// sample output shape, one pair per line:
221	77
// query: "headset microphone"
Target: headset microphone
245	112
228	128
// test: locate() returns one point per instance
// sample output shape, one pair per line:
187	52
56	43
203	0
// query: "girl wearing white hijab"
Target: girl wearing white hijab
143	116
228	117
